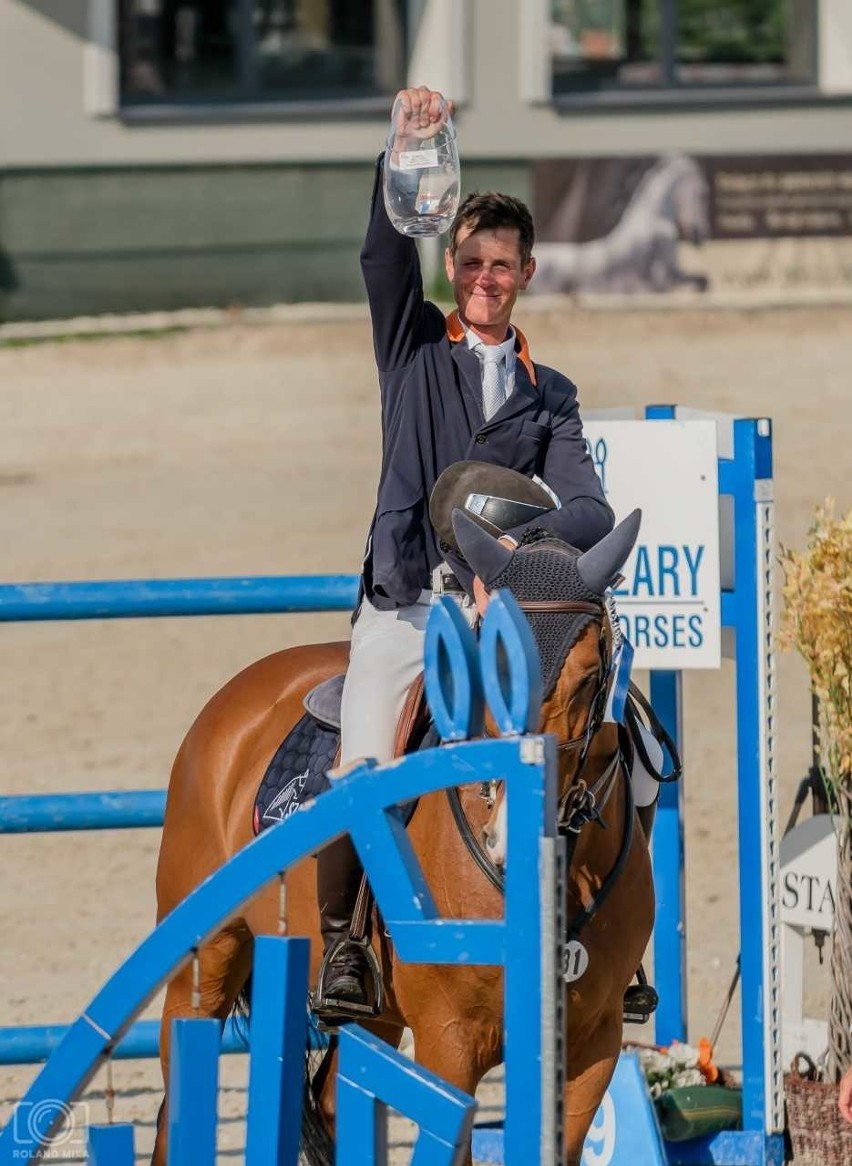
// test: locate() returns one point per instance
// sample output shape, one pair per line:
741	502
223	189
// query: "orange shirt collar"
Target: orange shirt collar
455	333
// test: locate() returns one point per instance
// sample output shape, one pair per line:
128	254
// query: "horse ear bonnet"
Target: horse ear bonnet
544	567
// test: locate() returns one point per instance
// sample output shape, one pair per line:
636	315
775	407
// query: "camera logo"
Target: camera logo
59	1128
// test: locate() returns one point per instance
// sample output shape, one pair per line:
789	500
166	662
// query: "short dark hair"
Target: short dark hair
490	212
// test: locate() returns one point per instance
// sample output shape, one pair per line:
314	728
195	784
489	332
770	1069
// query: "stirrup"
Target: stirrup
640	1000
331	1012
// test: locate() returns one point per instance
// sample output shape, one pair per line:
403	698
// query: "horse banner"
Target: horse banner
615	225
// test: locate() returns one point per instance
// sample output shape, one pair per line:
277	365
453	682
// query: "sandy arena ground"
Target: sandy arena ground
252	450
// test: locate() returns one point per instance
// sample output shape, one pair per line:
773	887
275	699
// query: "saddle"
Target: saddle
298	771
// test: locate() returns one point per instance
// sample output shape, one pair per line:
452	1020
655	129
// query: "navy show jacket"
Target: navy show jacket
431	402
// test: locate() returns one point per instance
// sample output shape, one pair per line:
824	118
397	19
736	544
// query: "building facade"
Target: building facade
168	153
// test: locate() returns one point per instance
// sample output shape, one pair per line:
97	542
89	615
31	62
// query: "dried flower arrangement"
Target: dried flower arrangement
817	623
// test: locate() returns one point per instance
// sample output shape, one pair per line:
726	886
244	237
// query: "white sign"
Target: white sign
669	603
809	874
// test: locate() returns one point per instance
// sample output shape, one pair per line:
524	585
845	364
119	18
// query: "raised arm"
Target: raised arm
389	260
391	269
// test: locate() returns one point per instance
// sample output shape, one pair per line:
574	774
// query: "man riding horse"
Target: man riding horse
458	389
484	427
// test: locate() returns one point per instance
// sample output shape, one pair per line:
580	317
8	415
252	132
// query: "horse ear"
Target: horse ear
602	562
487	557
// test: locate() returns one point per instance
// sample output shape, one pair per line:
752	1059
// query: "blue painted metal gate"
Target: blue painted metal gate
373	1076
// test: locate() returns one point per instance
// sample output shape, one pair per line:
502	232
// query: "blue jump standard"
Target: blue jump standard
626	1132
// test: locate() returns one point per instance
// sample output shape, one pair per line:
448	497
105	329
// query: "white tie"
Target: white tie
493	362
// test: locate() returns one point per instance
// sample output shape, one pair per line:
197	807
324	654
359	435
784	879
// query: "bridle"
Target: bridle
581	803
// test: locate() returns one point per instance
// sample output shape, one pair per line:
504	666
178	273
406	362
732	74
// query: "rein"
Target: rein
587	808
576	925
491	871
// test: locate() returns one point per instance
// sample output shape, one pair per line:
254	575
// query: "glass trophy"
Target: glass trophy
421	173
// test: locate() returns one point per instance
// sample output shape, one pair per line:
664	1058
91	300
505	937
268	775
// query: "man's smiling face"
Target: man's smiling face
487	274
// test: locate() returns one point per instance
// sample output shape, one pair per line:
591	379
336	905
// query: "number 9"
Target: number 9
599	1146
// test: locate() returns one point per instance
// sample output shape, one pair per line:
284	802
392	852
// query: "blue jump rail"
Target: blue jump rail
147	598
31	1044
55	813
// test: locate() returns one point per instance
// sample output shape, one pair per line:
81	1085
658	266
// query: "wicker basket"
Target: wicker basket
818	1134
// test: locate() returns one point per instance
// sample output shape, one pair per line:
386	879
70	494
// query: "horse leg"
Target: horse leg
224	967
302	918
320	1093
388	1031
588	1071
458	1050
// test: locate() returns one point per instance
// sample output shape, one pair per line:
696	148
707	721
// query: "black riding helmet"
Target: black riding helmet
496	498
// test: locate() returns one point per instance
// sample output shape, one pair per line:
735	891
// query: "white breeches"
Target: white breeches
385	659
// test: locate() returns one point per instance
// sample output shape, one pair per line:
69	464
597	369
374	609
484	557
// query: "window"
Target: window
743	41
598	44
225	51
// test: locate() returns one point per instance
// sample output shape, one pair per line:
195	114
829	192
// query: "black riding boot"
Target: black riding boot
338	880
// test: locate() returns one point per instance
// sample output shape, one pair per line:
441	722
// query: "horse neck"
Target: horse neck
652	197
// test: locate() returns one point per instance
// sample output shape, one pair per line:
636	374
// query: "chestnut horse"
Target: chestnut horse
454	1012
